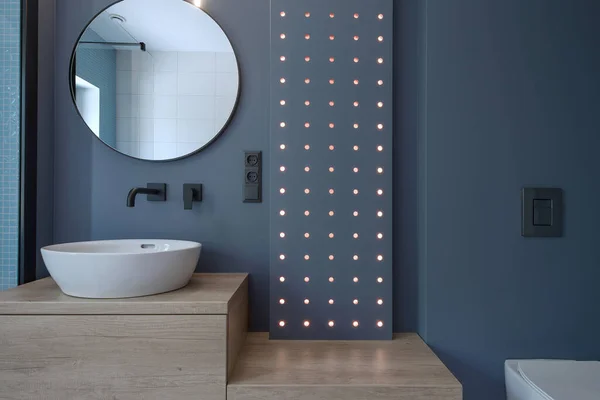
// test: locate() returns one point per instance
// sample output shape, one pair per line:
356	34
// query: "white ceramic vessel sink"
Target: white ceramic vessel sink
121	268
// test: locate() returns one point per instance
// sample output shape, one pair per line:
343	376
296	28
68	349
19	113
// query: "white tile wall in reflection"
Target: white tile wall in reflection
169	104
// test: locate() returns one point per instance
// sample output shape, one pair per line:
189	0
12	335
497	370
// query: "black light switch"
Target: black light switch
542	212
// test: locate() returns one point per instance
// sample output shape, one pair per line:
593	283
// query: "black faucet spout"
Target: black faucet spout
154	191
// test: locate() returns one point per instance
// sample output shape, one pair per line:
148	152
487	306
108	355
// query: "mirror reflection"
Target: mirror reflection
155	79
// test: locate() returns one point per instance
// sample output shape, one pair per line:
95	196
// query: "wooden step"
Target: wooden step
400	369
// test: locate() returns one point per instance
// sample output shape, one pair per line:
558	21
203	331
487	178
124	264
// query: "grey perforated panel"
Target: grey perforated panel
331	177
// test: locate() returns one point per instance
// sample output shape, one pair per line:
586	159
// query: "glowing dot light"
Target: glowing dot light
307	59
355	170
307	103
379	148
282	256
380	38
356	81
380	170
380	82
380	16
380	324
282	191
380	104
380	60
356	104
355	148
282	80
331	191
331	104
355	324
306	147
282	168
331	324
281	301
332	81
306	213
282	147
379	257
331	236
282	124
306	169
282	323
356	38
282	102
331	125
282	58
380	126
307	81
355	236
307	235
306	324
307	257
332	15
331	257
307	36
307	15
355	126
282	235
355	302
331	279
355	279
307	279
356	59
380	302
331	147
307	124
282	213
331	213
355	213
306	191
331	169
379	192
356	16
331	37
355	257
282	36
331	59
331	301
306	301
380	280
380	214
355	191
380	236
282	279
282	14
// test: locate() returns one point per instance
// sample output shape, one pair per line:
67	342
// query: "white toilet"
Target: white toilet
552	380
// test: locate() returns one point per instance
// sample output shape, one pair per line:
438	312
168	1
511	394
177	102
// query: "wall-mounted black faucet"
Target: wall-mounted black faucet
191	192
155	192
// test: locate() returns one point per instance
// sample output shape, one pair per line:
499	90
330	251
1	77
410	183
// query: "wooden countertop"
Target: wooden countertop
205	294
405	362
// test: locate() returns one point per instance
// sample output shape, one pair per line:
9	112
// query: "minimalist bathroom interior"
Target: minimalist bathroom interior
304	200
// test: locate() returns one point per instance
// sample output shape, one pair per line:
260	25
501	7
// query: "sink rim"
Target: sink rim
70	248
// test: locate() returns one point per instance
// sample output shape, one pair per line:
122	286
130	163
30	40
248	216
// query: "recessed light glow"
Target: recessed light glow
380	82
331	236
307	103
282	301
355	170
380	16
332	15
282	124
380	280
307	81
306	257
380	60
356	16
282	36
380	302
282	147
355	191
282	256
380	38
282	235
331	59
355	148
307	59
356	81
331	301
380	170
380	324
282	102
331	191
307	235
380	236
282	80
282	213
331	169
306	147
282	190
356	59
355	302
306	324
355	258
331	37
282	13
380	104
356	104
307	279
282	58
282	168
282	279
331	279
380	126
355	213
355	126
379	148
306	169
306	191
331	324
356	38
306	301
331	81
331	257
307	36
307	15
380	214
379	257
355	324
355	279
307	124
282	323
355	236
331	213
306	213
379	192
331	147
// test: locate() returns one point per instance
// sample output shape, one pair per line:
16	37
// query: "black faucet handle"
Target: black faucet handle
191	192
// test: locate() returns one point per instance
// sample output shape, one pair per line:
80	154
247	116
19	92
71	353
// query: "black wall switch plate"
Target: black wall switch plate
252	177
542	212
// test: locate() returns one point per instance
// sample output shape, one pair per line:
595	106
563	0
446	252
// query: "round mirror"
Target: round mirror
155	79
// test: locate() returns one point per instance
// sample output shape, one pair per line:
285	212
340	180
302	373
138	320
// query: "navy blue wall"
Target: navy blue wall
490	96
98	66
513	99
